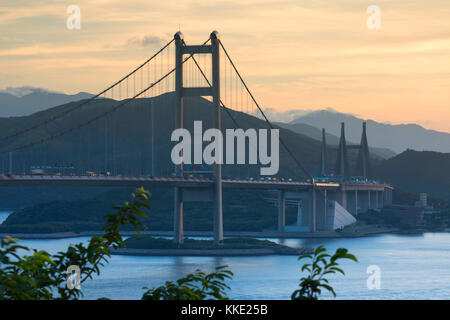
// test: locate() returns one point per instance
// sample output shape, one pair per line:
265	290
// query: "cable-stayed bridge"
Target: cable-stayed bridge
120	137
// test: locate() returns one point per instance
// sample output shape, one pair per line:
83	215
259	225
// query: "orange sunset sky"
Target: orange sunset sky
295	54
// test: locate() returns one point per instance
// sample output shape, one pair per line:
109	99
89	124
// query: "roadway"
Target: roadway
137	181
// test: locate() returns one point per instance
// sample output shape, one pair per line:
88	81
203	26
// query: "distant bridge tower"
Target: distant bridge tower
213	91
342	167
364	167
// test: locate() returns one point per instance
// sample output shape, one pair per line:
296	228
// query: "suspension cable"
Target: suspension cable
79	106
84	124
209	84
263	114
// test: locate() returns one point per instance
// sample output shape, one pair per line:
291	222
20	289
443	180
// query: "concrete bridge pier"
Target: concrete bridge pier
338	196
323	208
387	197
343	201
313	210
321	198
178	216
363	201
352	202
305	207
281	210
377	201
381	200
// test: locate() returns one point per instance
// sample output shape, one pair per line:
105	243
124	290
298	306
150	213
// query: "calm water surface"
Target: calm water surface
412	267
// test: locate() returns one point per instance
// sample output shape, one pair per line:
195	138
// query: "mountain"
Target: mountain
397	138
332	140
122	141
418	171
22	101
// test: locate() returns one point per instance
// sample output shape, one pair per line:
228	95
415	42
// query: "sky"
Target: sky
294	54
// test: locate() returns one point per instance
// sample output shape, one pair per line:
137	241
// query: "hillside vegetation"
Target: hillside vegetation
243	210
416	171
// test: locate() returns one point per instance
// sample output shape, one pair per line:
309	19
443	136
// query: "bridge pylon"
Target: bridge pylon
213	91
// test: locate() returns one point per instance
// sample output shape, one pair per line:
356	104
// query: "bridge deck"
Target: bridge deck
111	181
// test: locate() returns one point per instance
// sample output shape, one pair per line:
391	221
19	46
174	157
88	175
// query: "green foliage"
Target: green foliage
321	265
195	286
44	276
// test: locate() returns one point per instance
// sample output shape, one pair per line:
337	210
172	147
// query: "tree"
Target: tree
44	276
321	264
195	286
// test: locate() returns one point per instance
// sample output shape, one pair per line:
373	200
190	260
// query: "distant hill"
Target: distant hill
331	139
122	142
127	150
24	101
397	138
415	171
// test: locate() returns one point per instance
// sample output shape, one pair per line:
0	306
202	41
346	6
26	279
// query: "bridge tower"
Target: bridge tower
213	91
364	167
342	167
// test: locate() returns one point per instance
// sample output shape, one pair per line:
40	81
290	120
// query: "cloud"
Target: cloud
147	41
284	116
293	54
24	90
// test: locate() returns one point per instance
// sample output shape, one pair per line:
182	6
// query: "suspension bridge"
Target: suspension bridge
121	137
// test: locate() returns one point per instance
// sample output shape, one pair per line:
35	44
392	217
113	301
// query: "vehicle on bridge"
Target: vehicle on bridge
55	169
194	172
35	172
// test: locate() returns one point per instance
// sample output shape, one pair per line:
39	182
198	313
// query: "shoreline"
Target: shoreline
209	252
249	234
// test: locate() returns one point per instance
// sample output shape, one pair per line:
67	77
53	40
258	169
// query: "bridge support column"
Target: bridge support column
344	199
178	216
376	201
218	214
382	199
281	211
299	213
388	196
356	203
178	196
369	204
325	208
313	210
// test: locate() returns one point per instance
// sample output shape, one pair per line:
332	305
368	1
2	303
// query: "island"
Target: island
152	246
